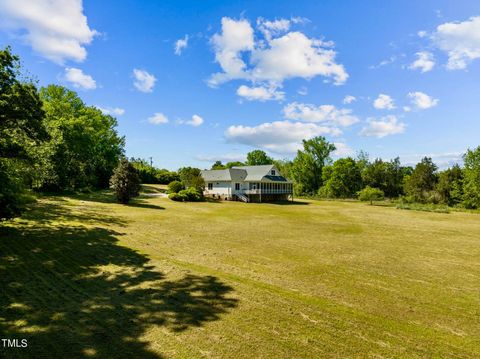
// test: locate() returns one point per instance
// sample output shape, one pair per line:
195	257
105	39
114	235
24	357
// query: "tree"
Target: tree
84	148
191	177
257	158
234	164
175	187
450	185
21	129
370	194
421	183
125	181
471	183
308	165
218	165
341	180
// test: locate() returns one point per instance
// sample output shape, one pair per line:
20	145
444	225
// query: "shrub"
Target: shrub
179	197
175	187
370	194
192	194
125	181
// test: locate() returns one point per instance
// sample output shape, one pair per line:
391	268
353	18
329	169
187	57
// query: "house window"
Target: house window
237	186
272	172
210	186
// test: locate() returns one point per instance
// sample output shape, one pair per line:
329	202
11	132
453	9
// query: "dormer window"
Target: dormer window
272	172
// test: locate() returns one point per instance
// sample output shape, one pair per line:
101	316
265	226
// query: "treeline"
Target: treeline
315	174
150	174
50	140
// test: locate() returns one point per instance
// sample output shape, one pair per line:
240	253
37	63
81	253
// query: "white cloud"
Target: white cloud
274	59
421	100
460	40
327	114
272	28
382	63
114	111
180	45
144	81
236	36
158	119
385	126
384	102
442	160
349	99
79	80
195	121
279	136
260	93
342	150
55	29
422	33
425	61
303	91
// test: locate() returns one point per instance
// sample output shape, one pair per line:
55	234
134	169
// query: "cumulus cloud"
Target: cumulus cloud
383	127
180	45
260	93
195	121
158	119
421	100
79	80
279	136
114	111
460	41
272	28
328	114
55	29
274	59
384	102
342	150
424	62
349	99
144	81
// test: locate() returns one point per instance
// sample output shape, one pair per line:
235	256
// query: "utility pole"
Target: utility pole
151	161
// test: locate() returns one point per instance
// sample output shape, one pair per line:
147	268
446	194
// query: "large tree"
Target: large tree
471	183
258	157
191	177
450	185
341	180
308	165
421	183
21	128
85	147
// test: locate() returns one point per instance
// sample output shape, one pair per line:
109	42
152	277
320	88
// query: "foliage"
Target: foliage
84	148
218	165
370	194
175	187
257	158
191	177
21	129
192	194
450	186
125	181
234	164
471	184
421	183
151	174
387	176
308	165
341	180
179	197
284	167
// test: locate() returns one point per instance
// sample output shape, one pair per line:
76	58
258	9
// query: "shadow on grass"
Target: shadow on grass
291	203
74	292
152	189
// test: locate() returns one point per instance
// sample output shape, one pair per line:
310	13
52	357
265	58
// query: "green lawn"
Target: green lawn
82	277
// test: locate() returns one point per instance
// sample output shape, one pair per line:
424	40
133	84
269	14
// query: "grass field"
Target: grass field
82	277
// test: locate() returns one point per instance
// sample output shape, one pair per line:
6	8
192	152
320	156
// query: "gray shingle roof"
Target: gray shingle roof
243	173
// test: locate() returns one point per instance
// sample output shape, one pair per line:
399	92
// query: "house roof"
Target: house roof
243	173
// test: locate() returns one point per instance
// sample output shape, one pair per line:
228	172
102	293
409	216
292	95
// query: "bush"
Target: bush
177	197
175	187
125	181
192	194
370	194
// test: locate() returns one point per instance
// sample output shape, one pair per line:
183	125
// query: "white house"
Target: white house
248	184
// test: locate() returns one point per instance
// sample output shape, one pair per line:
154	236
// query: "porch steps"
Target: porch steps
242	197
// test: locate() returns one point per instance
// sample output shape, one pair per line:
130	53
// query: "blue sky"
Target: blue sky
195	81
